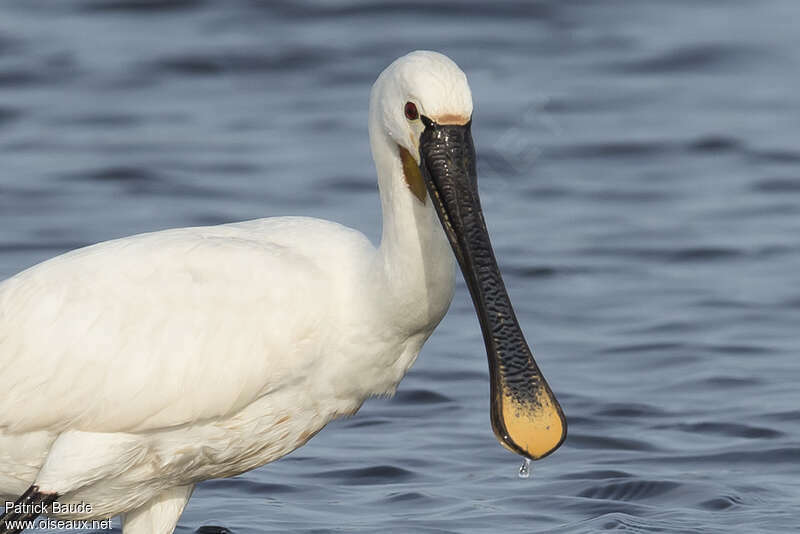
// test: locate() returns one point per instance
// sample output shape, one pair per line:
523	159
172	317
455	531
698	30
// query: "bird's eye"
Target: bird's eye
411	111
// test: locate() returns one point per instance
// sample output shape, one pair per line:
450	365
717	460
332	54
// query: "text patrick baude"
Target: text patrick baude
53	508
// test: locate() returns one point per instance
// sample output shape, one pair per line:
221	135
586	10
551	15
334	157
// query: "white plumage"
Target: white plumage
135	368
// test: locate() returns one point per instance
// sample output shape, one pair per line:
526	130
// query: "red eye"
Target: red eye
411	111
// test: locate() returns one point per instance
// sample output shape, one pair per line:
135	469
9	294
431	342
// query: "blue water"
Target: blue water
640	173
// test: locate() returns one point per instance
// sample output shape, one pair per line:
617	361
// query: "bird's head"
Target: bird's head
422	106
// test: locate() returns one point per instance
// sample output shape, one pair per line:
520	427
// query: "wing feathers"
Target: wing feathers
156	330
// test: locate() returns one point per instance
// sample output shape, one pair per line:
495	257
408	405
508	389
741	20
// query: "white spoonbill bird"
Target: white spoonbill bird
109	352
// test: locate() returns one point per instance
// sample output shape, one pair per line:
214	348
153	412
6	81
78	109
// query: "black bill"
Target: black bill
526	416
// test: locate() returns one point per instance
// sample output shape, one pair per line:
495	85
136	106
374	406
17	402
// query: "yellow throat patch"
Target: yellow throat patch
412	175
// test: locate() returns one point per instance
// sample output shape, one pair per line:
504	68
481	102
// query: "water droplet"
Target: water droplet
525	468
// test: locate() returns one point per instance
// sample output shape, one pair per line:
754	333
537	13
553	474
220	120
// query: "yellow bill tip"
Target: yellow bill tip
533	428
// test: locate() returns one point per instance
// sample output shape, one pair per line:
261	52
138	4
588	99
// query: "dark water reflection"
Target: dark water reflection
640	173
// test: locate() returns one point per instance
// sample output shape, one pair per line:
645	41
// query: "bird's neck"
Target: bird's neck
414	262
